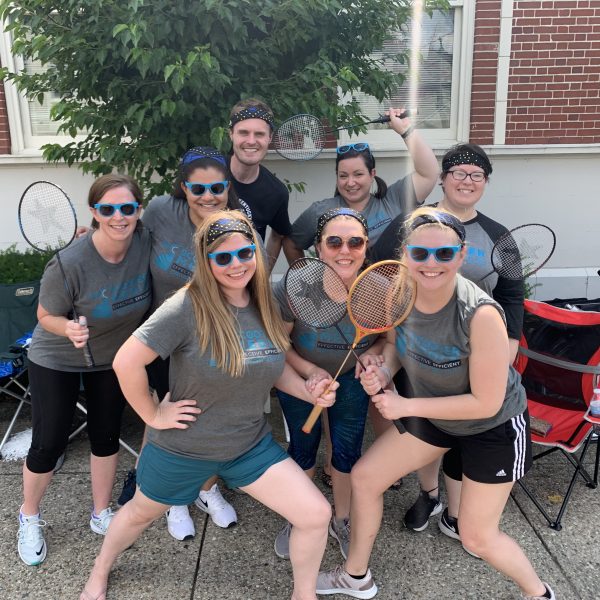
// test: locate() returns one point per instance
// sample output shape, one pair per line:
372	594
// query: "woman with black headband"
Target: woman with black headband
466	169
202	187
355	177
227	345
454	349
341	242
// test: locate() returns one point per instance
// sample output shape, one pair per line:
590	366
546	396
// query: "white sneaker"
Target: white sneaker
31	545
220	511
99	523
179	523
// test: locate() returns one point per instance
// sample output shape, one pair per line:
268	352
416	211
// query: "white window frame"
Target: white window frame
23	142
462	65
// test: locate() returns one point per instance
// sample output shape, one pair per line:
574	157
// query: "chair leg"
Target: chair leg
12	424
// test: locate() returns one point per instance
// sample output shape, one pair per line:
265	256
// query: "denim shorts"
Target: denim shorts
175	480
346	424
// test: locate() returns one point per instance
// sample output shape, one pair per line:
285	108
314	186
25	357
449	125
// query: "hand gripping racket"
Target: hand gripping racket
522	251
48	223
380	298
302	137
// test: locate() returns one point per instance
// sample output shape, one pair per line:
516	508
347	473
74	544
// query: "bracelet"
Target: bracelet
387	373
407	132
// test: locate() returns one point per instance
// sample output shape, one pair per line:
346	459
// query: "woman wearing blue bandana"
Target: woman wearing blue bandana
202	187
227	343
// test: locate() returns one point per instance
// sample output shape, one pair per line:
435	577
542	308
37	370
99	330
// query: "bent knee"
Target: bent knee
477	541
315	516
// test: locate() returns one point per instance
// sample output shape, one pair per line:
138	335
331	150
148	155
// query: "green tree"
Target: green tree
146	79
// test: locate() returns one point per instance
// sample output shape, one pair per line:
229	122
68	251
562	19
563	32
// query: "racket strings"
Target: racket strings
46	217
300	138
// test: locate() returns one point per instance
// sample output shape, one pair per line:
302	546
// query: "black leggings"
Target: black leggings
54	395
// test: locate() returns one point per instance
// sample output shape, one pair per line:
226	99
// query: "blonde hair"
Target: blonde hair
215	320
438	217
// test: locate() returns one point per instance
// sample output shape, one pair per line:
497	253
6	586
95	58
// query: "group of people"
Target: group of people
177	306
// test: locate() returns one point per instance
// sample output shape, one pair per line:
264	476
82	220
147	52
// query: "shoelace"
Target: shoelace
31	531
216	501
176	513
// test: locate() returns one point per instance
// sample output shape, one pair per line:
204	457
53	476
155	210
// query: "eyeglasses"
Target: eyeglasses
359	147
199	189
335	242
127	209
440	253
222	259
476	176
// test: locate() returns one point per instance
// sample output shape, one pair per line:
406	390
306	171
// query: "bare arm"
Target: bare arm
291	252
291	383
77	332
273	247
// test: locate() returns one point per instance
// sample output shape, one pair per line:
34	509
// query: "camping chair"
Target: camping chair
559	360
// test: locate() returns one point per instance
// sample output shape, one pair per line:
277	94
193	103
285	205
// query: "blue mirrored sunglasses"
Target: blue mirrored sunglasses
440	253
222	259
358	147
215	187
127	209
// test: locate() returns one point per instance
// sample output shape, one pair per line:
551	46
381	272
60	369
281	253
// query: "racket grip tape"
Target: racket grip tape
87	353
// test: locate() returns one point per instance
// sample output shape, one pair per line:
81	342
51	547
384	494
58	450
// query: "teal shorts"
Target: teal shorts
175	480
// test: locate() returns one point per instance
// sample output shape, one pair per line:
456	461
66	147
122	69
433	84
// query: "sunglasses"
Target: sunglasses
440	253
127	209
335	242
358	147
222	259
199	189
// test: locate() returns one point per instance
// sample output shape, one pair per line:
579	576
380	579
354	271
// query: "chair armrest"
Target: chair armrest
557	362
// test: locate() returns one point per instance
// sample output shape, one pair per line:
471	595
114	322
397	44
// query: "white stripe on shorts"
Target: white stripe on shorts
520	446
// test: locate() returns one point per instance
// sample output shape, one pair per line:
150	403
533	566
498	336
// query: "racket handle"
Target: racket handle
315	413
386	118
87	353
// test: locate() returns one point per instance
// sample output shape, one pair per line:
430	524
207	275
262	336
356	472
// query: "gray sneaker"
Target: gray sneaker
31	545
99	523
548	588
340	530
282	541
339	582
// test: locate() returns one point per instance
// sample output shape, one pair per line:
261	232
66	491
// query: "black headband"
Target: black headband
202	152
252	112
337	212
223	226
465	156
440	217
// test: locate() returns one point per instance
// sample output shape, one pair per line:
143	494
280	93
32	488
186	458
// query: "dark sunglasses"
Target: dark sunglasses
127	209
222	259
335	242
215	188
440	253
359	147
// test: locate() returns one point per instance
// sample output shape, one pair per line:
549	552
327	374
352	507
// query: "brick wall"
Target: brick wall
485	65
4	131
554	81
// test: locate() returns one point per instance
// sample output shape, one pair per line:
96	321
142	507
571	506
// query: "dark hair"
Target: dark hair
185	170
369	161
108	182
466	154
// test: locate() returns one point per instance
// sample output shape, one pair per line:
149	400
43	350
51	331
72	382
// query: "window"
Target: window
437	90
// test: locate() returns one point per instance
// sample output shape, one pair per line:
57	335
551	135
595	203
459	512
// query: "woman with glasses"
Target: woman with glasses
454	349
202	187
109	286
227	345
466	169
341	242
355	178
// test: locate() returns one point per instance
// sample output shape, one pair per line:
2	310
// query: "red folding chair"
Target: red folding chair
559	361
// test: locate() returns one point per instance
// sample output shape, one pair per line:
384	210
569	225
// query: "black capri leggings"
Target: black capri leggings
54	395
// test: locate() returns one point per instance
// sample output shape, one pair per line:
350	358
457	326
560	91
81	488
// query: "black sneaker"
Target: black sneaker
449	526
417	516
128	488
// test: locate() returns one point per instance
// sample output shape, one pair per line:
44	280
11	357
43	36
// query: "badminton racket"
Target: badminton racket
48	223
302	137
522	251
317	295
380	298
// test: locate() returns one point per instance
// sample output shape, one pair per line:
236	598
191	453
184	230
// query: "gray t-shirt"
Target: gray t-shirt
232	419
399	199
326	348
434	350
113	297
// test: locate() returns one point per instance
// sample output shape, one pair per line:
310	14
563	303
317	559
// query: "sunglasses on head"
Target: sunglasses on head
215	188
222	259
335	242
127	209
440	253
358	147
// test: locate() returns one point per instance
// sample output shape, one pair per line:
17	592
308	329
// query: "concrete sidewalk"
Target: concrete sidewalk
240	563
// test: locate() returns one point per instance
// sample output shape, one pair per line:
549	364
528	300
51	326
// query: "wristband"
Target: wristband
407	132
